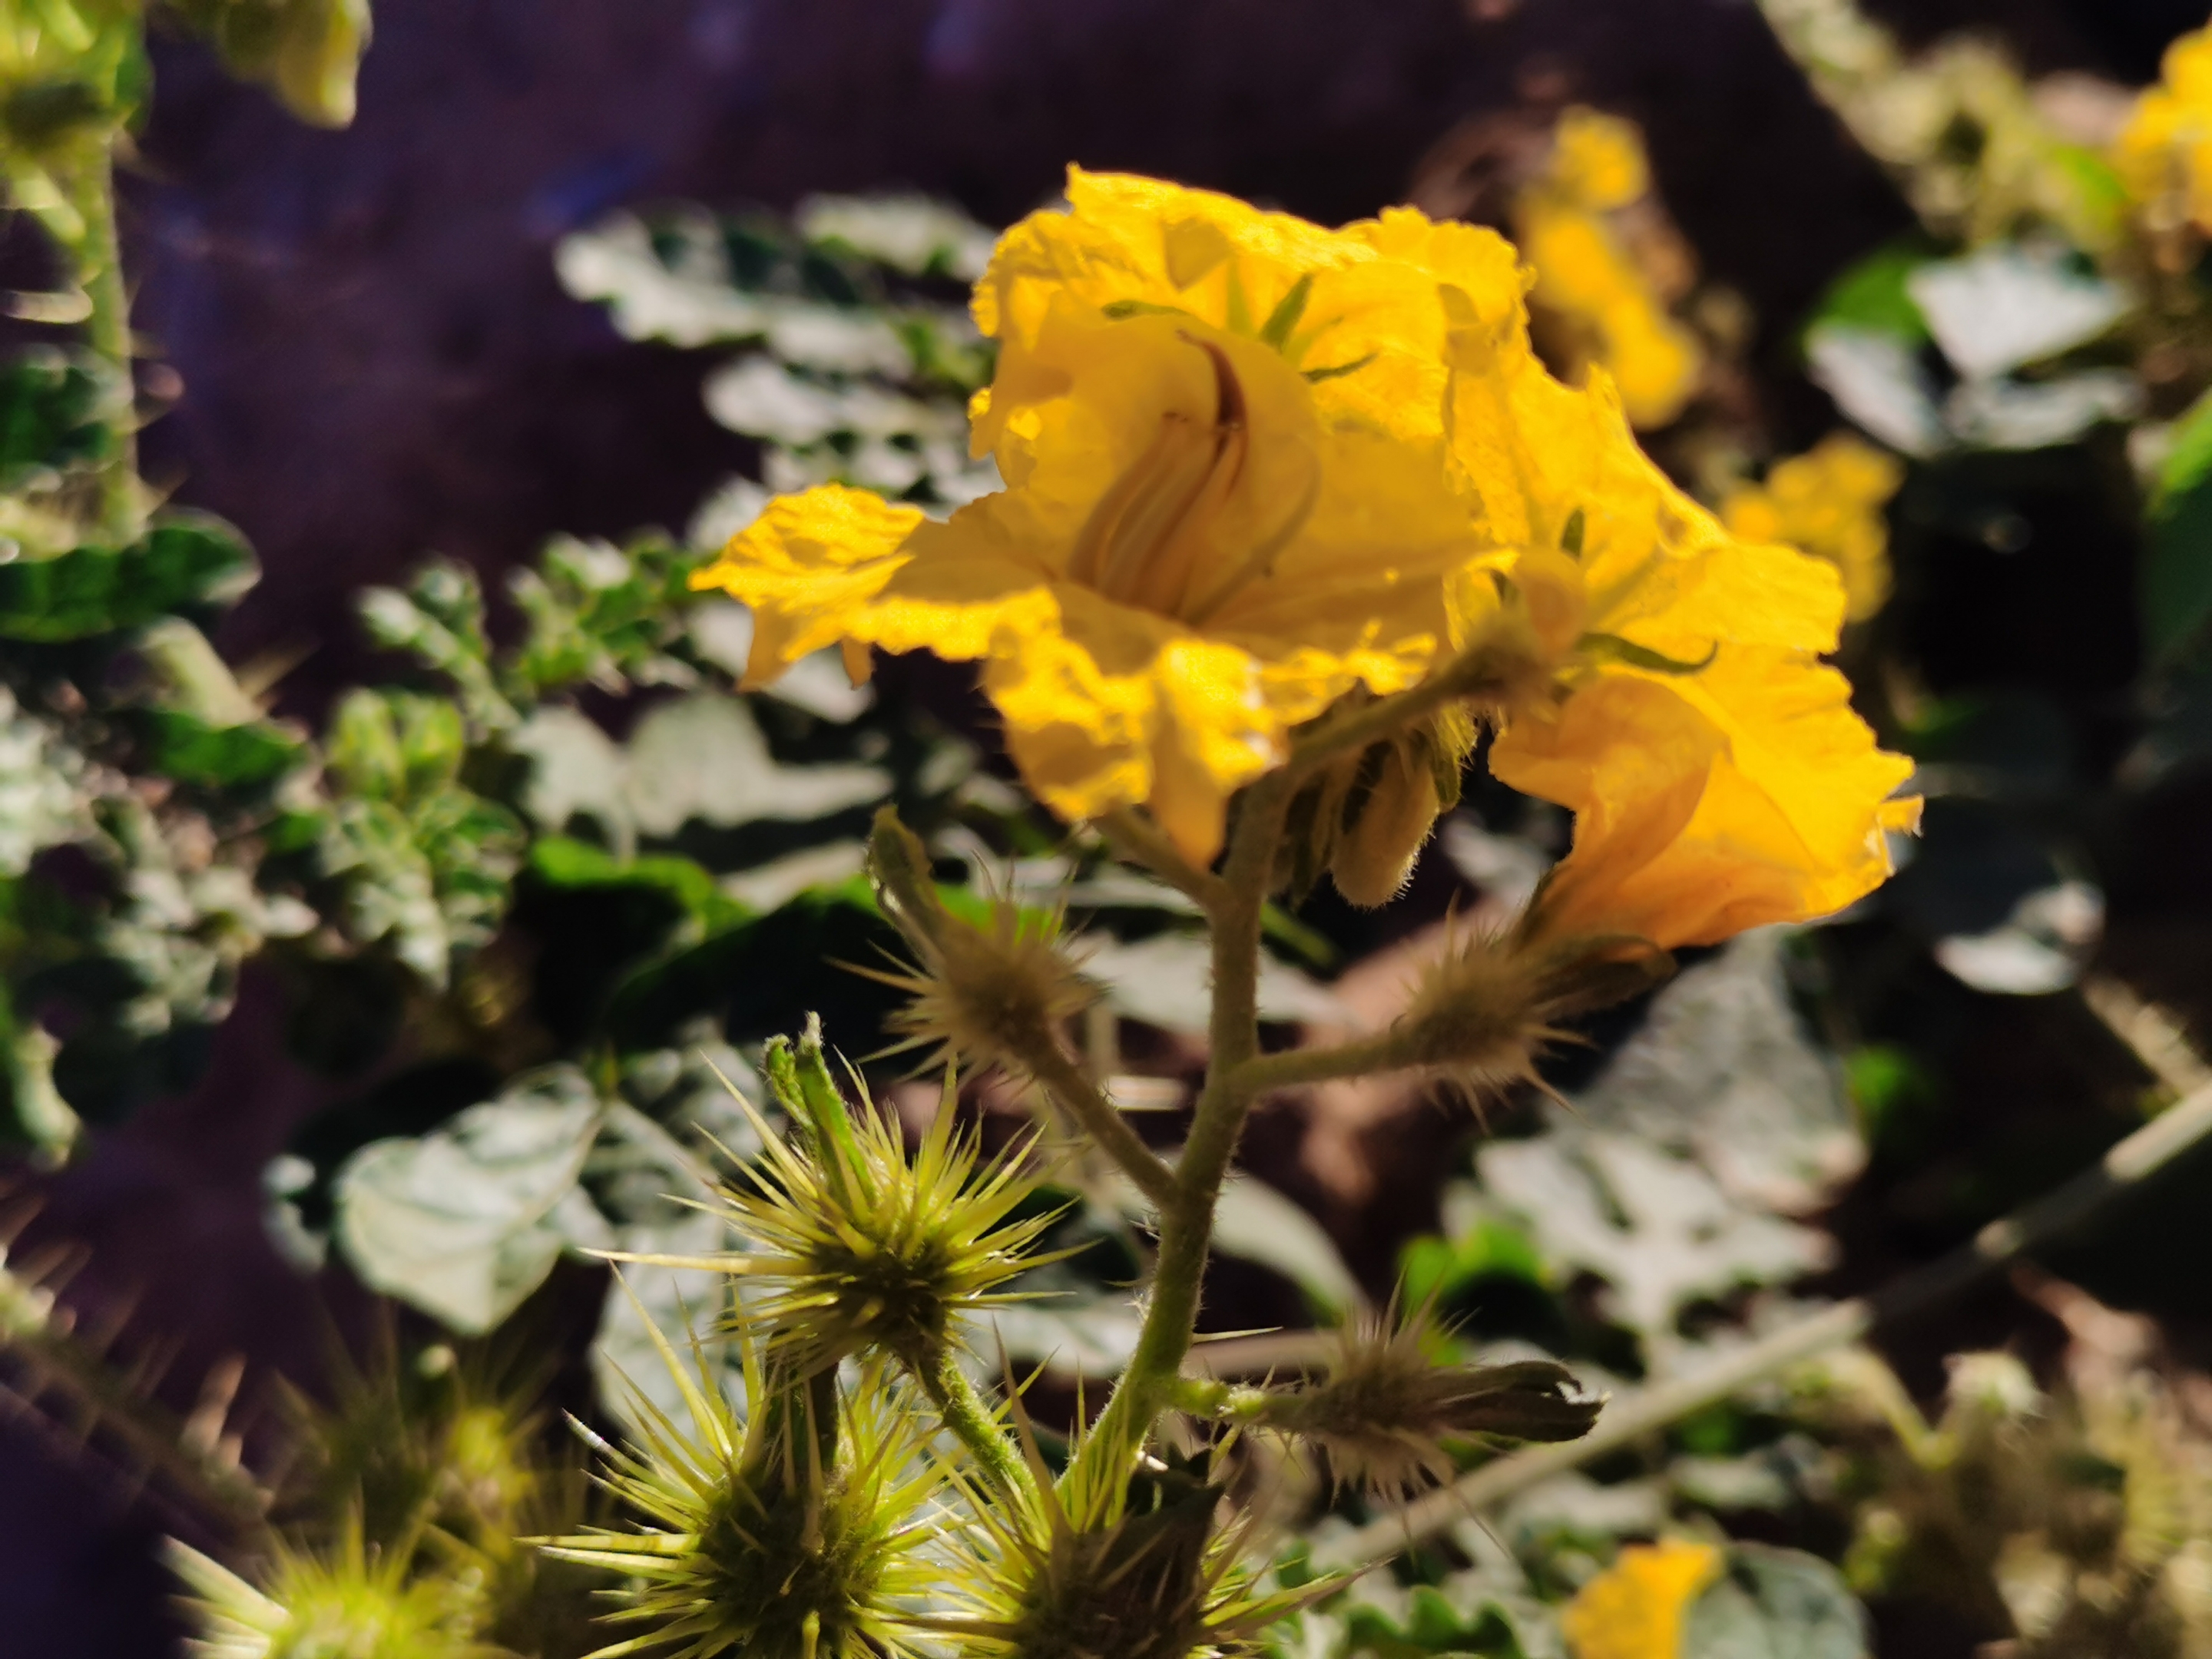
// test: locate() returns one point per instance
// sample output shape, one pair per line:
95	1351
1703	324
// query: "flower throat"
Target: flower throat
1148	541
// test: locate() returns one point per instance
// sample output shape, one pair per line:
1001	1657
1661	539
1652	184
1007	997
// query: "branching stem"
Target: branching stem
1063	1079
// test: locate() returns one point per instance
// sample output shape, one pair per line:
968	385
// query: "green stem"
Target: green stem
2148	1149
972	1422
107	332
1140	841
1187	1219
1065	1082
1386	1051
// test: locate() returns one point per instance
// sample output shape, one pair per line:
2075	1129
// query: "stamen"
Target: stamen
1144	539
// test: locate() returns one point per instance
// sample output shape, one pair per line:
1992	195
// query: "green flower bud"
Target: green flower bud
851	1249
793	1535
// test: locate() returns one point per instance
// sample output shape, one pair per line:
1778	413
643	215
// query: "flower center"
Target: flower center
1150	540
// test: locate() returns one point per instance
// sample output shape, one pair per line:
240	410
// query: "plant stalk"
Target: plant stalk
964	1413
2177	1130
1187	1219
107	332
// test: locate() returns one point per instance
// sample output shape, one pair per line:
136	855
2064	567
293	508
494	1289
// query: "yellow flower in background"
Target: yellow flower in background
1636	1608
1718	777
1586	278
1828	502
2164	155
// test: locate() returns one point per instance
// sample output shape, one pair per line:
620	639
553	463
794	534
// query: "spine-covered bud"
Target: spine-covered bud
353	1601
992	989
1387	1415
1145	1569
854	1247
789	1536
1484	1011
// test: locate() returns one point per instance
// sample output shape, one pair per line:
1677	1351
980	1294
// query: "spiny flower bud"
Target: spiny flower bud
790	1536
991	990
1484	1011
853	1248
356	1601
1137	1572
1386	1413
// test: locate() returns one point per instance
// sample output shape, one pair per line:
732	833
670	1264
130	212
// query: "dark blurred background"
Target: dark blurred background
376	362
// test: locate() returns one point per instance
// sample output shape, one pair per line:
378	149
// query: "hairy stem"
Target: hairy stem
1366	1057
1140	841
1187	1218
107	332
1065	1082
969	1418
1485	672
1625	1421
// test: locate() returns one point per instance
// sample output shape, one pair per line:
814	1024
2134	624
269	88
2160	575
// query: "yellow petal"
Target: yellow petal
806	565
1709	803
1637	1608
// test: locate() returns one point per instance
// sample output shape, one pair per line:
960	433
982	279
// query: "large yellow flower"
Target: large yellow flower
1186	563
1253	465
1227	501
2164	155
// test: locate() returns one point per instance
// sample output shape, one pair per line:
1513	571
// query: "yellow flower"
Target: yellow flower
1636	1608
1227	500
1828	502
1587	282
1718	776
2164	155
1253	466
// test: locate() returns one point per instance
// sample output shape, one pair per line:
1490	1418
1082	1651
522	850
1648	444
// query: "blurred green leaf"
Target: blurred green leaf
1871	292
1776	1604
466	1221
2177	571
185	561
191	751
57	411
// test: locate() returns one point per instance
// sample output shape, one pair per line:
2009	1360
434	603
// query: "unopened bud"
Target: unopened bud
1409	783
1484	1013
993	991
1387	1414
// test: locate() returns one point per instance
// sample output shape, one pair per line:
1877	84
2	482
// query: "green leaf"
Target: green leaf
2176	572
56	415
562	861
466	1221
185	561
1872	294
1776	1604
307	52
193	750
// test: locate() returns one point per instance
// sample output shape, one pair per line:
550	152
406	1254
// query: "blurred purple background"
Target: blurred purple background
377	362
